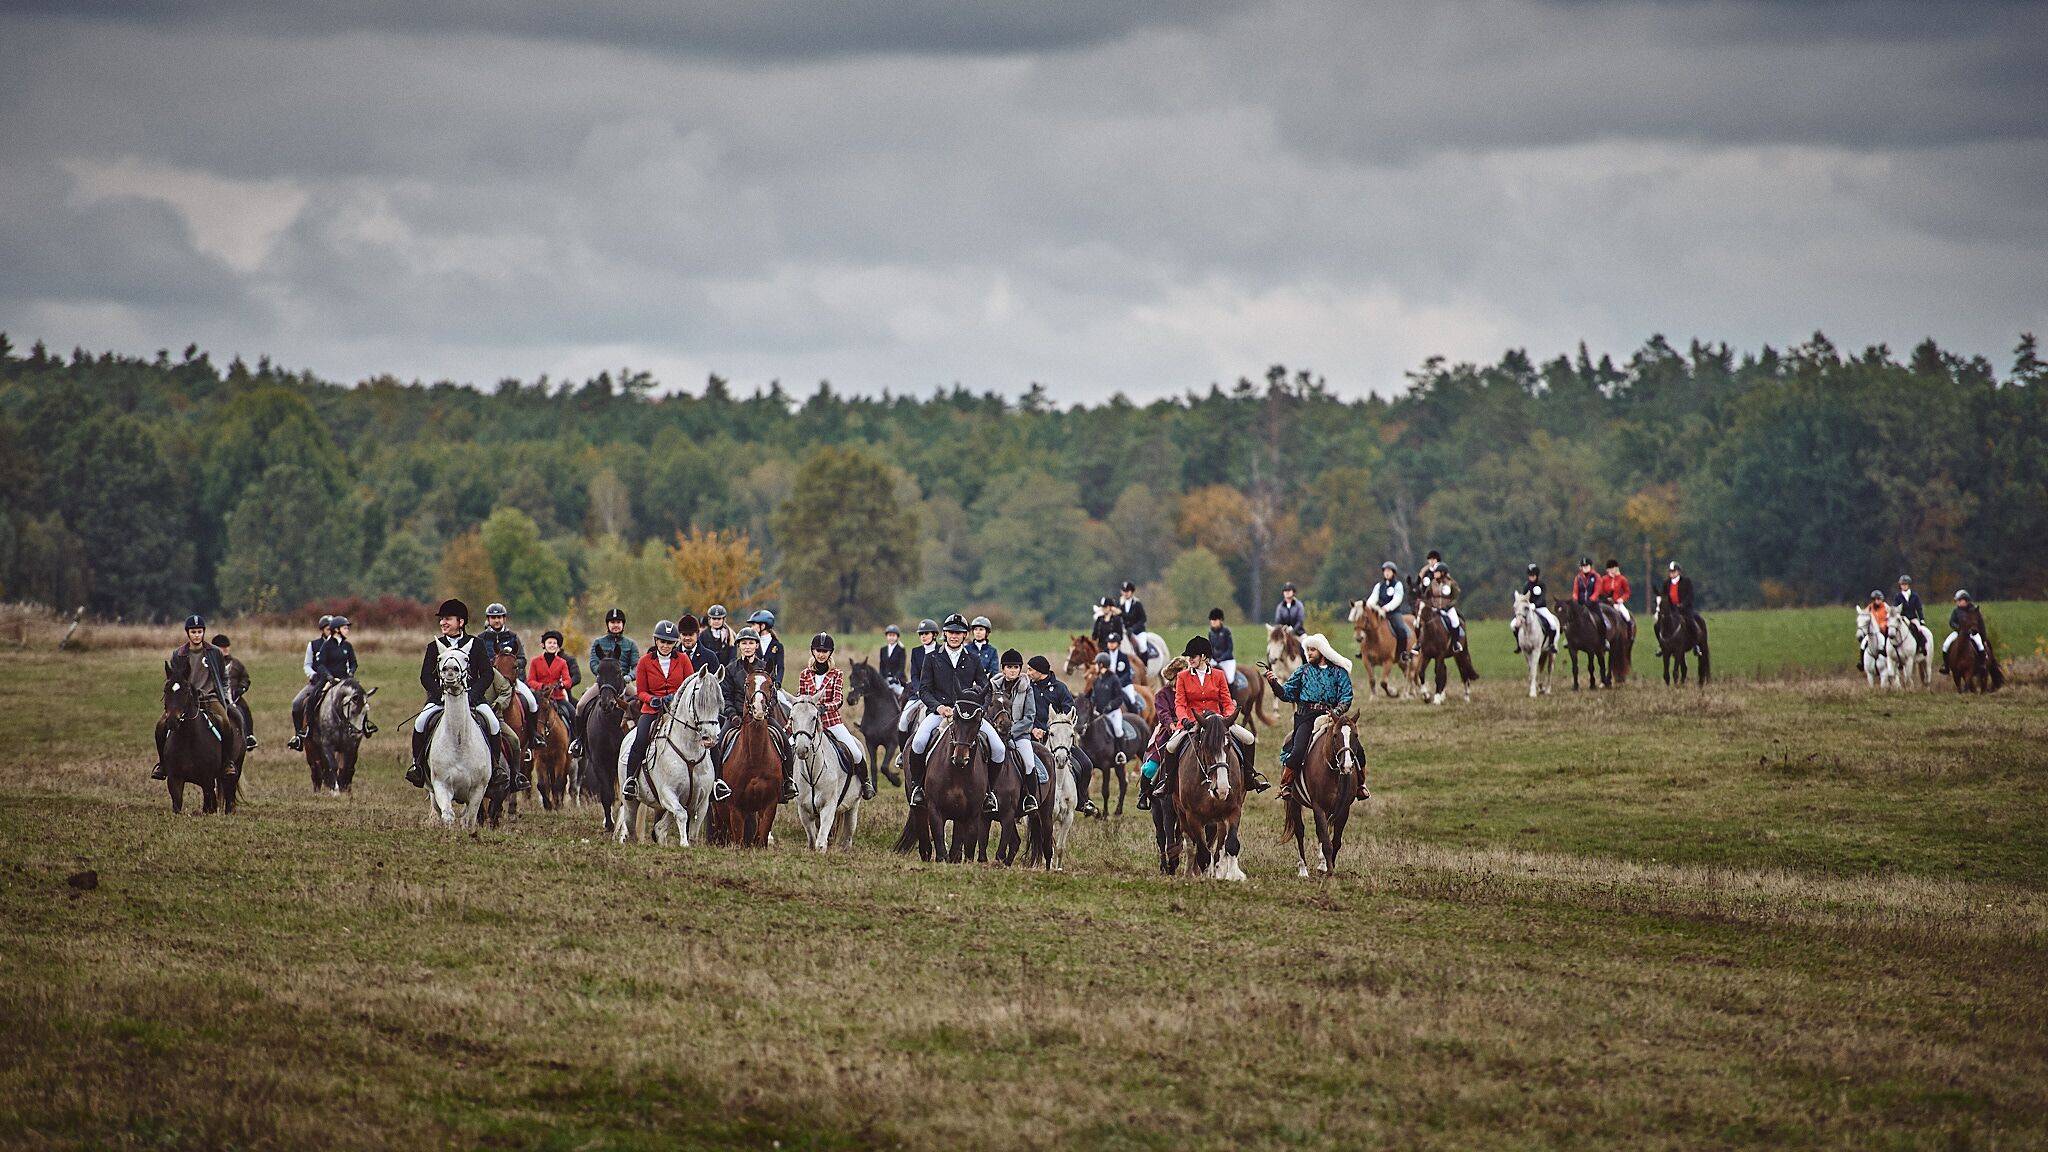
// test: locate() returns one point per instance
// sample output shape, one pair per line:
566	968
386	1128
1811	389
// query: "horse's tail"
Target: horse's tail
1294	828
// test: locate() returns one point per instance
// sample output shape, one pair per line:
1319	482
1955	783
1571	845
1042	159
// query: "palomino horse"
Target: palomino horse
1108	753
338	730
1912	652
956	781
459	754
880	716
753	770
675	776
1870	644
1529	638
1326	784
1433	645
1283	651
1062	739
194	750
605	728
827	795
1377	648
1208	799
1678	634
1974	669
1582	633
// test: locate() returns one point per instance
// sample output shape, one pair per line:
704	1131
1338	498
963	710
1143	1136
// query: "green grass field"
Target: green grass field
1782	911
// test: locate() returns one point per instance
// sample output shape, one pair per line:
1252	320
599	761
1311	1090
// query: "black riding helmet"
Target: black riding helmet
614	614
822	642
1535	571
1198	646
1012	658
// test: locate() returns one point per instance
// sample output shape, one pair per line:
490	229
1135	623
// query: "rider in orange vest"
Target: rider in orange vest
1613	588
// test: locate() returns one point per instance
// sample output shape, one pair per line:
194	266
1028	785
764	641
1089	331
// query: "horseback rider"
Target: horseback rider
772	657
1025	724
715	647
1677	594
1131	613
891	660
1200	690
820	678
613	645
1222	648
237	682
204	665
496	639
1165	710
1321	686
335	662
1054	696
927	645
952	675
1120	669
658	676
1586	593
747	663
1108	619
1440	591
984	651
1386	598
549	675
1290	613
1614	589
310	666
1533	589
1913	612
1960	624
1881	616
454	625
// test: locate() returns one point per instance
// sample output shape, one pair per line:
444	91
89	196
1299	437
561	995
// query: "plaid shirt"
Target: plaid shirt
833	682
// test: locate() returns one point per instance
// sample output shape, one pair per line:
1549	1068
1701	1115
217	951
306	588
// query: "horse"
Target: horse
339	727
194	750
1433	644
880	714
1062	738
1208	798
512	725
956	778
1326	784
1870	642
1107	752
1677	634
1974	669
459	754
1377	649
1283	651
753	770
1621	642
551	758
605	728
1581	633
1912	651
827	795
675	776
1529	638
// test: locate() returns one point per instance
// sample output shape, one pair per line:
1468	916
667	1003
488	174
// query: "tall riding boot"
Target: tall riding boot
866	772
1358	753
1029	791
416	774
913	774
788	773
160	772
502	781
298	741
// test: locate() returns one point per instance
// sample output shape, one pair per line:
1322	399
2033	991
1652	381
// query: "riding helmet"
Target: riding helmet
823	642
612	614
1876	594
1613	563
551	634
1674	566
221	641
1040	665
326	621
1962	594
1388	565
715	612
195	620
667	630
1215	613
496	609
687	624
927	627
1012	658
762	616
1115	636
1130	587
1105	602
1585	561
455	608
956	623
892	630
340	622
1198	646
1287	587
1905	579
1434	555
747	634
1102	659
980	622
1535	571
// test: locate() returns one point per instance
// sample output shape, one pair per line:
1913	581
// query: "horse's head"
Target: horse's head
696	706
1080	653
352	707
1062	733
865	679
454	671
181	700
1210	747
1357	611
965	735
758	689
1523	606
507	665
1347	756
806	724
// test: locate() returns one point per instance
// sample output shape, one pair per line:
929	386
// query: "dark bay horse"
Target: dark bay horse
880	712
1582	633
956	779
753	770
1433	645
195	751
336	737
1678	634
1972	669
1621	643
1110	755
605	728
1326	785
1208	798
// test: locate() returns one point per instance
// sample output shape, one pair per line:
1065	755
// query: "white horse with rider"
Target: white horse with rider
459	754
828	796
1912	652
1529	638
1062	742
676	776
1871	643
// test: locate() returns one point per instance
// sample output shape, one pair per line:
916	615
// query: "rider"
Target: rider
820	678
1321	685
927	644
209	685
952	675
1131	613
454	624
747	662
891	661
310	666
1586	593
1958	619
496	639
1533	589
978	643
1386	598
1911	610
772	656
615	646
1165	708
1222	648
333	663
1289	613
1107	620
1677	594
658	676
1200	690
1614	589
1880	615
237	681
1054	696
715	647
549	675
1120	669
1025	724
1440	591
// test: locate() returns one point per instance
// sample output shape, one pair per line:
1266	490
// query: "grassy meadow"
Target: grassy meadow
1782	911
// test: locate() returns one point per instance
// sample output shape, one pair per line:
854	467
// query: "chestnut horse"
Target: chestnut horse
1326	784
1378	649
1972	668
512	722
753	770
1208	798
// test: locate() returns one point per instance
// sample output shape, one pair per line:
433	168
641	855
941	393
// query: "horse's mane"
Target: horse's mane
180	665
1214	731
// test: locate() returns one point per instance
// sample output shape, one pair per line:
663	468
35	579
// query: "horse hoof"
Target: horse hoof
1302	872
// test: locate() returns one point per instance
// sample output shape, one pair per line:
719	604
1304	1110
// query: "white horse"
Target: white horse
1062	738
675	778
1912	654
459	755
1153	645
827	795
1529	636
1877	667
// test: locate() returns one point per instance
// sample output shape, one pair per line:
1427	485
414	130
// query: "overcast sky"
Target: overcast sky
1098	195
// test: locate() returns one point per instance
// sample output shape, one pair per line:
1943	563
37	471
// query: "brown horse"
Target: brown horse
1621	643
956	781
1109	754
551	760
1677	635
1326	784
512	722
1283	651
753	770
1082	651
1973	670
1583	632
1208	798
605	730
199	746
1379	651
1433	644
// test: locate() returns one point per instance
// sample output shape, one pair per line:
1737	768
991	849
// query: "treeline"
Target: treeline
144	487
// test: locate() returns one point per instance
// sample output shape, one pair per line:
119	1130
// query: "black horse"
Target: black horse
604	732
1584	631
198	746
1677	634
1102	748
880	712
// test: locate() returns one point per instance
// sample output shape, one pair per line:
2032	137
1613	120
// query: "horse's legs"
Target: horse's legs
177	789
1338	820
1300	835
1574	652
1323	835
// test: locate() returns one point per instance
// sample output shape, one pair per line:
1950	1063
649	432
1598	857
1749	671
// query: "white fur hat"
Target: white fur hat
1314	642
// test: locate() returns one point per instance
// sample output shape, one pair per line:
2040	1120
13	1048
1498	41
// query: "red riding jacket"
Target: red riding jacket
649	683
548	676
1613	588
1194	696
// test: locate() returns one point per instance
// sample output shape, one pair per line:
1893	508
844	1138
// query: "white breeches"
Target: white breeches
848	742
1451	615
1131	694
1238	732
1549	618
1027	758
1229	671
1120	725
912	713
484	716
1625	613
930	728
526	696
1952	639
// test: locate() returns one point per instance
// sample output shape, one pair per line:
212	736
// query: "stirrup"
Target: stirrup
917	795
1030	803
248	743
159	772
1144	802
297	743
1258	782
416	775
990	804
867	788
720	790
1087	807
